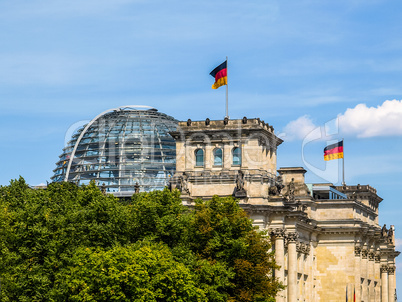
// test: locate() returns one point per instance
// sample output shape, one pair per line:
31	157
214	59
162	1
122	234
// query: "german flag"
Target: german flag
220	74
334	151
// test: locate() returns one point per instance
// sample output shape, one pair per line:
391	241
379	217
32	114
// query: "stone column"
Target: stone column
278	235
364	266
384	283
292	267
302	250
391	283
358	272
377	276
371	276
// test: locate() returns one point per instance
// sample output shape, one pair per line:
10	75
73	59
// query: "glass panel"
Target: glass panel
218	157
199	157
236	156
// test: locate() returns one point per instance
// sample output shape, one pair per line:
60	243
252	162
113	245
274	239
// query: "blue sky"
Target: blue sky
295	64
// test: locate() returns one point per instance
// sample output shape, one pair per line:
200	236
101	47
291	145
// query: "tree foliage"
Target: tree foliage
69	243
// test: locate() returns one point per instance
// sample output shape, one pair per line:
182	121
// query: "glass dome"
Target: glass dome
121	148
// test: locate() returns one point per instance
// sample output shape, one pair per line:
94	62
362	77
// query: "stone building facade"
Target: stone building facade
326	238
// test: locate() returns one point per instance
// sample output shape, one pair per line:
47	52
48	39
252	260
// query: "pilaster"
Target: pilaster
391	283
278	235
377	274
292	267
384	283
364	294
357	272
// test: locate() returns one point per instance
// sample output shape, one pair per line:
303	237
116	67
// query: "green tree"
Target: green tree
140	272
69	243
223	232
41	230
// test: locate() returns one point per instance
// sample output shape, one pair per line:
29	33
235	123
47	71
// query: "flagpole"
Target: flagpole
227	106
343	164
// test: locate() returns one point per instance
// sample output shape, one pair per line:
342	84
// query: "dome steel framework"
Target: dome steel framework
120	148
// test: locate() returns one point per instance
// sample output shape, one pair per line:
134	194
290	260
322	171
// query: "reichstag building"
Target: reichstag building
326	238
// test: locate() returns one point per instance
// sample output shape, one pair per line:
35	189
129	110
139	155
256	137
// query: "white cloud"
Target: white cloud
360	121
299	128
398	243
363	121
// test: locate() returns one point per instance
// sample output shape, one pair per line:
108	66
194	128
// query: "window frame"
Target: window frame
238	155
215	156
197	155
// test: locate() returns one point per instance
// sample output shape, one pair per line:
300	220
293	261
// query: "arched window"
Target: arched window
236	155
217	157
199	157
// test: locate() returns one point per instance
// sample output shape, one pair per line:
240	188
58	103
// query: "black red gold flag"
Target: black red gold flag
220	75
333	151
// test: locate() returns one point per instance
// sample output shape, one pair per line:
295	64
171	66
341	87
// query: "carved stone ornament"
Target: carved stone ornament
390	235
264	141
277	233
358	250
384	231
384	268
391	270
207	121
189	122
273	191
300	207
103	189
377	258
183	184
244	120
302	247
240	192
292	237
364	253
136	188
291	190
276	188
371	256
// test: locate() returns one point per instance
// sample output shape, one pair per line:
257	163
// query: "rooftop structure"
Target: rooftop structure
326	239
123	149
